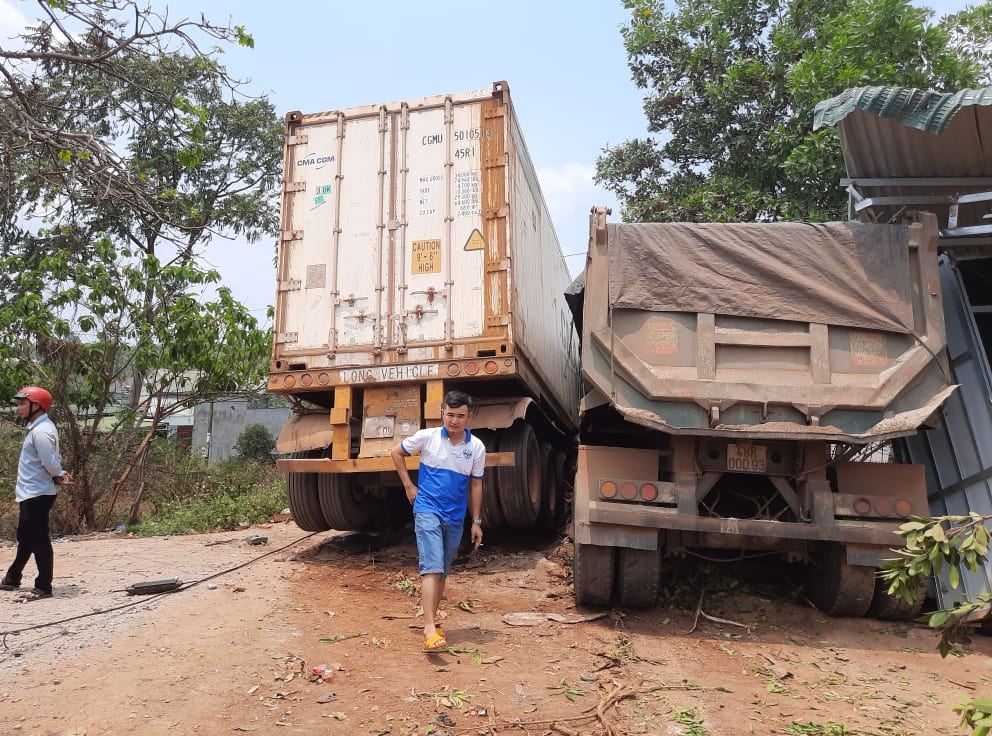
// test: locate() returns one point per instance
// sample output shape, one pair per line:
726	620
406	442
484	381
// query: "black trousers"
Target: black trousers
33	539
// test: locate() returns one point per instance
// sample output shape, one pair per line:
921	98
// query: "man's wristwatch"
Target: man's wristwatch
477	521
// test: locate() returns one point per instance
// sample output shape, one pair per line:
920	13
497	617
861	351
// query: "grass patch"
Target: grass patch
235	494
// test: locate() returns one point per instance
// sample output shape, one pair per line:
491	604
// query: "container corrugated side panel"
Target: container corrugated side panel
543	328
958	455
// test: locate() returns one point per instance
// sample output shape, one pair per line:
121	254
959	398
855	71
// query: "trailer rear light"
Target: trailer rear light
490	366
472	368
628	491
289	381
306	379
883	506
508	362
608	489
903	508
454	369
649	491
323	379
862	506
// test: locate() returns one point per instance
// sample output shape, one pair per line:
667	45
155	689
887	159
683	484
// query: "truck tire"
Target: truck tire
520	484
837	588
301	492
638	574
344	506
592	574
550	490
893	608
492	514
564	488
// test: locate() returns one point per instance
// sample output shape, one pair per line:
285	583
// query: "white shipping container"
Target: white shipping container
411	232
417	255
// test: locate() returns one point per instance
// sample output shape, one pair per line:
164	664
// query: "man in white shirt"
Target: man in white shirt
449	479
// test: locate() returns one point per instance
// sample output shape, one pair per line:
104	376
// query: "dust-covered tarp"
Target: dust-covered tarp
839	273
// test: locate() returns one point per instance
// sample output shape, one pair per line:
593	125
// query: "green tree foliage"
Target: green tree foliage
970	31
126	150
730	89
256	443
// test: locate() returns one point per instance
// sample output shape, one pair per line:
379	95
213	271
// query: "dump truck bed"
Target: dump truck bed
766	330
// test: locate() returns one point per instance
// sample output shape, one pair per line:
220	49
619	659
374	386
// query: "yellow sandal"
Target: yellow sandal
435	643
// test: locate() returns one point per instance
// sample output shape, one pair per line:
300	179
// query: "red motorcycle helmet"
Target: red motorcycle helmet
37	395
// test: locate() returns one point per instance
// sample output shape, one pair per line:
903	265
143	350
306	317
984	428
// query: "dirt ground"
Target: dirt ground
234	649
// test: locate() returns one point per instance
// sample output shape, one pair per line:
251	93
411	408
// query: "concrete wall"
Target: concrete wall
218	424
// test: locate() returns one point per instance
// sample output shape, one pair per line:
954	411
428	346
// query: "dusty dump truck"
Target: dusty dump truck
733	374
417	256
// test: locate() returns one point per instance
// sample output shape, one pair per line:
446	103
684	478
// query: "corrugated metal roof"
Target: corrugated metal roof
914	149
917	108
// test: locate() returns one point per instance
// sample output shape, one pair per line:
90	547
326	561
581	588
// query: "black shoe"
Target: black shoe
6	585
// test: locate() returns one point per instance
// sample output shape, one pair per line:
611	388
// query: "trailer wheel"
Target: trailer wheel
564	488
492	514
840	589
345	506
639	571
592	574
520	484
301	492
893	608
399	511
551	495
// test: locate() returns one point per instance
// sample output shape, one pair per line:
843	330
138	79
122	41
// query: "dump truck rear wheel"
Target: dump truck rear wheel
344	506
520	484
893	608
638	573
838	588
301	492
492	514
592	574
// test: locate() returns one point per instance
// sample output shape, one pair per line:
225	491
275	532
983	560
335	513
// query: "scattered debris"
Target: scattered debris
154	586
529	618
341	637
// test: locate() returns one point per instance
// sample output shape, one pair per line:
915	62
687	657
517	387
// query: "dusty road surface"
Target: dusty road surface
236	651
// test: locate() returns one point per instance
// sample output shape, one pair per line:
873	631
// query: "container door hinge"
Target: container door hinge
497	266
292	235
284	337
290	285
297	140
294	186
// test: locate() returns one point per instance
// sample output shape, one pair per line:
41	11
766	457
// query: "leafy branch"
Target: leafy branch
960	542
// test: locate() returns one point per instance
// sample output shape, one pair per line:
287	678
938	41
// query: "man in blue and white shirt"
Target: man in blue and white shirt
449	478
39	477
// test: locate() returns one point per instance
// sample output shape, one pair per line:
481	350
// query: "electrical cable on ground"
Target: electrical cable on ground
148	598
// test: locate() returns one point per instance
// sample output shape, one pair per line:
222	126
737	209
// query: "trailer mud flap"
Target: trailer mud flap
610	535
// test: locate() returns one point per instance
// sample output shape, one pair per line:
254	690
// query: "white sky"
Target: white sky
564	62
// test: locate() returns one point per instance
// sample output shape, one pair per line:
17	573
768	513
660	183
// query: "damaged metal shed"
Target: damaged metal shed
909	149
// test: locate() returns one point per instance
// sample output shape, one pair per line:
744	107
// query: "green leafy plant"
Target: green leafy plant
256	443
563	688
449	698
690	722
958	541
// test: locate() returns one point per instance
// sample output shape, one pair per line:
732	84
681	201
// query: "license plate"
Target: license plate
746	458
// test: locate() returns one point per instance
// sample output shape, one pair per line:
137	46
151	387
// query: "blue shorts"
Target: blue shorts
437	543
